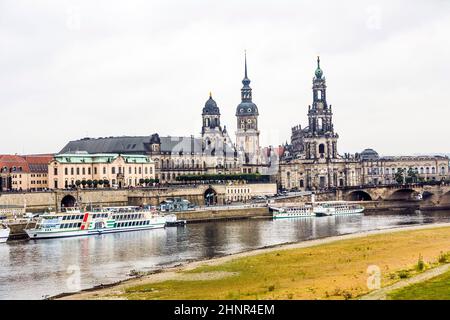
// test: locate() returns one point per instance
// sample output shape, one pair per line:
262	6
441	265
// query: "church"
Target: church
312	162
214	152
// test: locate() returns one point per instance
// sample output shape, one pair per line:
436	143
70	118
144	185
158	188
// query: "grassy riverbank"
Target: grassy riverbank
437	288
322	269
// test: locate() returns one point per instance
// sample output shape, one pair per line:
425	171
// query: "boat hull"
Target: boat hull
37	234
4	235
338	213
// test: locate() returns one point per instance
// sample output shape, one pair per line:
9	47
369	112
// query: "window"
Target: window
95	170
89	170
113	170
55	171
78	171
71	171
66	171
104	170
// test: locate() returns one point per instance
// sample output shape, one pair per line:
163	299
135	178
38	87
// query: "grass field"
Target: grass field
437	288
330	271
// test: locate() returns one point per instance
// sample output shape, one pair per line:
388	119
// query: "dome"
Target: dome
369	154
319	73
211	107
247	108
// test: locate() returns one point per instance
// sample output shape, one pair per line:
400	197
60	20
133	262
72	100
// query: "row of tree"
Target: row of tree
106	183
249	177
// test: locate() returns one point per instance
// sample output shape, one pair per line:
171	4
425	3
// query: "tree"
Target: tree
77	183
411	176
141	181
83	182
89	183
106	182
147	181
399	176
95	183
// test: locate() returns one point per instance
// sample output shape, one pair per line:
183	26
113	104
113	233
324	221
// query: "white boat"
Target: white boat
333	208
4	233
73	222
292	212
172	220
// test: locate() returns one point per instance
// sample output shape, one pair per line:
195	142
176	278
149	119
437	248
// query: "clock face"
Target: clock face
242	110
249	110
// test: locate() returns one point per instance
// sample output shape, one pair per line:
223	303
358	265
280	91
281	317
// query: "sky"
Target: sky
74	69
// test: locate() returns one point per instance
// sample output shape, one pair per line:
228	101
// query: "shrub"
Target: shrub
420	264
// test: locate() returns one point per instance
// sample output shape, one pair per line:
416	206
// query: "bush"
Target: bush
443	257
420	264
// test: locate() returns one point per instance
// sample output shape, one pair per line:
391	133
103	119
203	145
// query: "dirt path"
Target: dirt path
173	273
382	293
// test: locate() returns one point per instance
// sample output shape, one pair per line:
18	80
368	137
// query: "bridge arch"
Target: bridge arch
210	196
403	194
358	195
68	201
445	199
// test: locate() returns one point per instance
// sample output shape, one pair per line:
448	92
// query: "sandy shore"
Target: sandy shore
110	292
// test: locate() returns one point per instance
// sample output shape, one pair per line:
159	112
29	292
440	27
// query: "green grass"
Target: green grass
437	288
329	271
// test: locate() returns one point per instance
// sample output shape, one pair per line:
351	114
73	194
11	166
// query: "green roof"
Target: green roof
100	158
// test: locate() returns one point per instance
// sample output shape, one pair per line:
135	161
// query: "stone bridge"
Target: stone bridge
432	194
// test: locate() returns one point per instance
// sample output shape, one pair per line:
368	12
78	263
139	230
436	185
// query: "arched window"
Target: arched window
433	170
321	149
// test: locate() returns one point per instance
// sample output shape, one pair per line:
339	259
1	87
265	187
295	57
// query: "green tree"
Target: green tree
89	183
399	176
77	183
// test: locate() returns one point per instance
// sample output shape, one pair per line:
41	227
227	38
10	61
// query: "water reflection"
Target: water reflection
33	269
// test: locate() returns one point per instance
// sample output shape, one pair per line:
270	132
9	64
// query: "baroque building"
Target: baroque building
212	152
311	161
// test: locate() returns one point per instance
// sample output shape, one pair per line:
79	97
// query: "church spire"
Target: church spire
246	91
319	71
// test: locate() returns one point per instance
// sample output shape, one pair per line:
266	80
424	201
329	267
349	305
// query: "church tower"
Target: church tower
211	129
320	139
247	134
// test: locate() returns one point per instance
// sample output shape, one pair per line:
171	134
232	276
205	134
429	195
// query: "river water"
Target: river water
39	268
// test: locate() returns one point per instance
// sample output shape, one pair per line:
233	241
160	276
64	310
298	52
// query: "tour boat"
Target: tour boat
74	222
333	208
292	212
4	233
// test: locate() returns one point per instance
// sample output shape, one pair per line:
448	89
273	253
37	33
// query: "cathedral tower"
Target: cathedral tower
320	139
211	129
247	134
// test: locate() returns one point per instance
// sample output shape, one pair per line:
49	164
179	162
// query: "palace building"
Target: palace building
212	153
311	161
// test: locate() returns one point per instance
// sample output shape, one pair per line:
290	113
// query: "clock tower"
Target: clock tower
247	134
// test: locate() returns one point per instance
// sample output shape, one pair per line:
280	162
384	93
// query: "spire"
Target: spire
246	80
319	71
245	55
210	94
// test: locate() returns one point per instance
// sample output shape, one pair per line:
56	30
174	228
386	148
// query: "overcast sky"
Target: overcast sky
71	69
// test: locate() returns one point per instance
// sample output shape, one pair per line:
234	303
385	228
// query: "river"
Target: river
40	268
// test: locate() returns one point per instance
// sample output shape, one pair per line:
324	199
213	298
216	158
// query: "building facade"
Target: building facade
24	173
98	170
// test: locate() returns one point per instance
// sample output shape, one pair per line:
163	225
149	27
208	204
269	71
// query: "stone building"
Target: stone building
66	170
24	173
311	161
212	152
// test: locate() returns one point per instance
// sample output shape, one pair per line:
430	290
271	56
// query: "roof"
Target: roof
99	158
13	163
137	145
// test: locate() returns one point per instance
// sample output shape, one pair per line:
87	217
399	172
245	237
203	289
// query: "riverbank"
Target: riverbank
329	268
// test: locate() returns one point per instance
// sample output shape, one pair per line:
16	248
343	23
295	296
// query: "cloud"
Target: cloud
76	68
